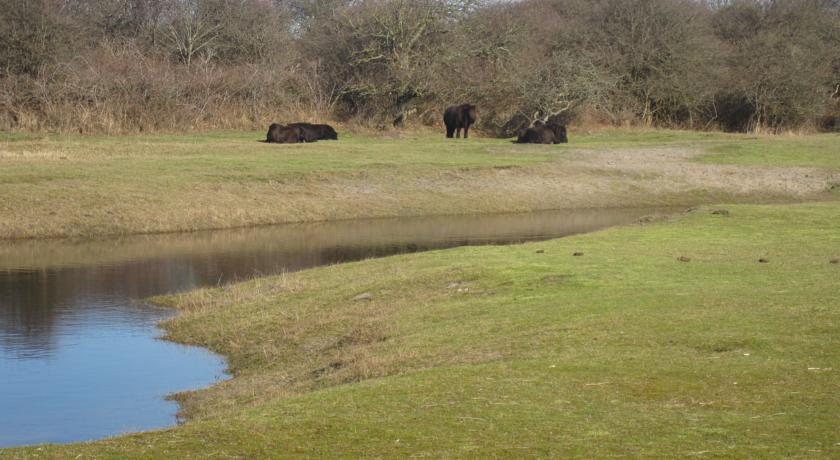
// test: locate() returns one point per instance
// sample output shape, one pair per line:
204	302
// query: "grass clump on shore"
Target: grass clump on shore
528	350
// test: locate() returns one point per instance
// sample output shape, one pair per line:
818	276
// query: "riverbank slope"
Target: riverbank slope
714	334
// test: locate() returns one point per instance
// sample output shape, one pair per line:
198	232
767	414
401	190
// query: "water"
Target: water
79	357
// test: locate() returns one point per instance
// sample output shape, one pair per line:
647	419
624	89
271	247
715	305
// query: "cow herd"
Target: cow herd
455	118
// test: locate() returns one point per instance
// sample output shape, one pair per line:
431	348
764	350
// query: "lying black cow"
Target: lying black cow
540	133
312	132
280	134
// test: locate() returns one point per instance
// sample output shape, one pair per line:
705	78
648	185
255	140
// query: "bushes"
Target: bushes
33	34
117	88
131	65
779	62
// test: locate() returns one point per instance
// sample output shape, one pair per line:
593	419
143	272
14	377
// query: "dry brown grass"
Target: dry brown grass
671	170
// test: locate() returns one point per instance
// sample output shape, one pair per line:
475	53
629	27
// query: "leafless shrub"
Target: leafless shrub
140	65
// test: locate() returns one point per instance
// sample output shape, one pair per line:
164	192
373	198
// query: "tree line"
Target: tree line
148	65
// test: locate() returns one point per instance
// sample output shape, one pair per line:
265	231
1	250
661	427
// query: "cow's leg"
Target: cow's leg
449	132
458	132
466	131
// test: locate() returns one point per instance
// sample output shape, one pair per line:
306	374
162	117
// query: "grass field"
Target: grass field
818	151
511	351
527	350
77	186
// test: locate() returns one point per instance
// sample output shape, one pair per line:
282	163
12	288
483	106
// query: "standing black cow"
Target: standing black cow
312	133
541	133
457	117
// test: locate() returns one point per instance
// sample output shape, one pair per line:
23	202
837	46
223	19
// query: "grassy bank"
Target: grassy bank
77	186
817	151
527	350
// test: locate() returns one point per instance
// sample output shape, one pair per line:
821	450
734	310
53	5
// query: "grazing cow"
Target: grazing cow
312	132
457	117
542	133
283	134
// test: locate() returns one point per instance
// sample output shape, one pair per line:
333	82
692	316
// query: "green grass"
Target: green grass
618	137
506	351
822	151
242	156
230	156
62	186
86	186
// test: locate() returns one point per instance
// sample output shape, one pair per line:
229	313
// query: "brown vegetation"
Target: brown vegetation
146	65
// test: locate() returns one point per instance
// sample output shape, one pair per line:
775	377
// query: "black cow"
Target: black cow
283	134
457	117
312	132
541	133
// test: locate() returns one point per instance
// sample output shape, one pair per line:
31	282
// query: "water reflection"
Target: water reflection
78	358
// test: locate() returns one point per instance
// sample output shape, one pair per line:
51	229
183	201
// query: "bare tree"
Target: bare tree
192	32
255	31
379	52
772	81
124	64
32	34
563	81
